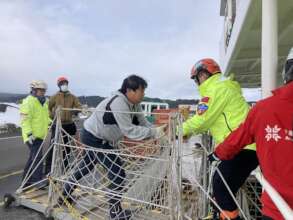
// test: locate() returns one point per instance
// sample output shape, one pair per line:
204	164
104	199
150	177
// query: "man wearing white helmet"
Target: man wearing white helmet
34	125
270	125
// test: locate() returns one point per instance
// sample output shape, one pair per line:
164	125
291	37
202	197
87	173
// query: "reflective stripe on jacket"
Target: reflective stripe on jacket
34	118
221	110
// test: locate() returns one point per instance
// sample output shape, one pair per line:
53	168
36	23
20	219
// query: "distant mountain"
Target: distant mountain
12	98
93	101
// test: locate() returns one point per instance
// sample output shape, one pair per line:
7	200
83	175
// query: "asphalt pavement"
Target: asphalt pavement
13	156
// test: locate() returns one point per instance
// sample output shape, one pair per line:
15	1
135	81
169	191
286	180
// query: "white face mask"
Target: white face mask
64	88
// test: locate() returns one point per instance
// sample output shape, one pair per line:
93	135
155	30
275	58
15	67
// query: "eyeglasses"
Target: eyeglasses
198	68
198	75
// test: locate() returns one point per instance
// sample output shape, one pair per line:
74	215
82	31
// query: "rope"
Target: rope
227	186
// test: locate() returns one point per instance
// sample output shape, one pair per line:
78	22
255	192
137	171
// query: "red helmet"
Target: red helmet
61	79
208	65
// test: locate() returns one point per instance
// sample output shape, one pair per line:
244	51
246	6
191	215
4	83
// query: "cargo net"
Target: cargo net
89	182
158	178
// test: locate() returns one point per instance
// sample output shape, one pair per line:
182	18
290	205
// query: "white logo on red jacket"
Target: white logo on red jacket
272	133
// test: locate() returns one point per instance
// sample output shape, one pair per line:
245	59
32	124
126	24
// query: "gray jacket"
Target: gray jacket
124	126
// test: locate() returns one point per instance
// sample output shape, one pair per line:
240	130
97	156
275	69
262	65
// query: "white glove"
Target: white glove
159	131
84	110
31	139
83	113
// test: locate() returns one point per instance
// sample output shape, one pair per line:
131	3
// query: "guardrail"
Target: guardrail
283	207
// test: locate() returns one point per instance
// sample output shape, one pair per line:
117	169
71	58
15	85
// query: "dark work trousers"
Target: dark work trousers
37	175
71	130
111	162
235	172
266	218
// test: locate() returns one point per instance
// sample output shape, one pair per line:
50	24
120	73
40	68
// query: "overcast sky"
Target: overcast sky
96	44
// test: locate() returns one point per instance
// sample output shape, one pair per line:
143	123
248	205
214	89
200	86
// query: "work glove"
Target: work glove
84	110
213	157
159	131
31	139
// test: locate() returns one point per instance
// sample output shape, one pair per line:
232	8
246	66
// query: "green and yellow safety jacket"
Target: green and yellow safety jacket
34	118
221	109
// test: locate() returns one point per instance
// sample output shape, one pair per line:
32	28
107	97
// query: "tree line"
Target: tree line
93	101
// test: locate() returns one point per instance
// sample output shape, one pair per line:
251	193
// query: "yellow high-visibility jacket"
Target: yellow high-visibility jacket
34	118
221	110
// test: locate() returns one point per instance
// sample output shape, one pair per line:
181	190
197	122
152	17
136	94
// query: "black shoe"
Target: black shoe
120	215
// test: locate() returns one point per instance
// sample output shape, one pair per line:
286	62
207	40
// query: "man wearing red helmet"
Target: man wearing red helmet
220	111
63	98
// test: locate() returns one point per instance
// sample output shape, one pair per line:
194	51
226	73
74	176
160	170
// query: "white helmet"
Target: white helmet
288	68
38	84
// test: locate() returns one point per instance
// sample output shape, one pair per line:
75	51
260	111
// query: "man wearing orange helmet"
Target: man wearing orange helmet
221	110
63	98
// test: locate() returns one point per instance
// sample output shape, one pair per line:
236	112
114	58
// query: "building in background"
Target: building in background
256	39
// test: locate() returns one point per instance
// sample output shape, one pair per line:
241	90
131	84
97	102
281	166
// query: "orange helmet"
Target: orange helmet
61	79
207	64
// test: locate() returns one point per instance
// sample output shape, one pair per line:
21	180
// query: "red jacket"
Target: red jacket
270	125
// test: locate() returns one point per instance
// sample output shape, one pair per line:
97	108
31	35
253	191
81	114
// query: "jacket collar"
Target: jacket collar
206	85
124	97
285	92
36	99
63	93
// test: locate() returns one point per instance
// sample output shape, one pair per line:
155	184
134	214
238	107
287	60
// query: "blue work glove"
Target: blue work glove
213	157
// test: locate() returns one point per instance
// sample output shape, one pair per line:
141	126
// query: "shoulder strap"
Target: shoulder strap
108	117
108	108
